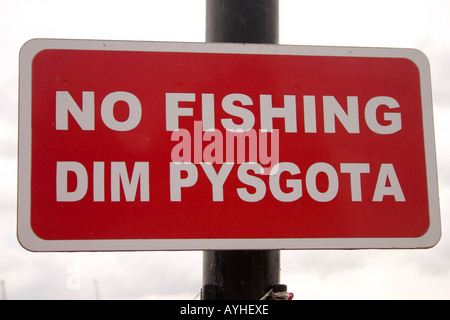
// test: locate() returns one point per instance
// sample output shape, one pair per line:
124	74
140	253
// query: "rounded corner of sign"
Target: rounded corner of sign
32	45
27	45
29	240
26	242
430	238
31	48
419	58
434	239
435	242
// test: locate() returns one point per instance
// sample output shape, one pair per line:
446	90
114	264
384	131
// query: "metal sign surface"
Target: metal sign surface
190	146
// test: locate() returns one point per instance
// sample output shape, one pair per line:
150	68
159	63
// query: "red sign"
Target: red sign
175	146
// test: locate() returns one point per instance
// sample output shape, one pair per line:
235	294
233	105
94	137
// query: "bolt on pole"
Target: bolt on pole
241	275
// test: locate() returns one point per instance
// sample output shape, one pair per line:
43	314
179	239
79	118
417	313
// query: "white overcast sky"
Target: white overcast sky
373	274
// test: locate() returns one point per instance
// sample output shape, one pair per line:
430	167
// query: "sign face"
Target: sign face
189	146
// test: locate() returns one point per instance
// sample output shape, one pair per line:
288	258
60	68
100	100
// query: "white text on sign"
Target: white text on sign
184	170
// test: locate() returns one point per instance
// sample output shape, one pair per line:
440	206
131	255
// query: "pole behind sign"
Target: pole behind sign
241	275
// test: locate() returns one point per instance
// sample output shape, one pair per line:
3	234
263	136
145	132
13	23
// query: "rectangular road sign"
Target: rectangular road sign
193	146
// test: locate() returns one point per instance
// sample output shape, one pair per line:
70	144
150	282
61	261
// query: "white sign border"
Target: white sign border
30	241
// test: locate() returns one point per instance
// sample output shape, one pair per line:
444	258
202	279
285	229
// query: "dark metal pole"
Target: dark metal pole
242	21
240	275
